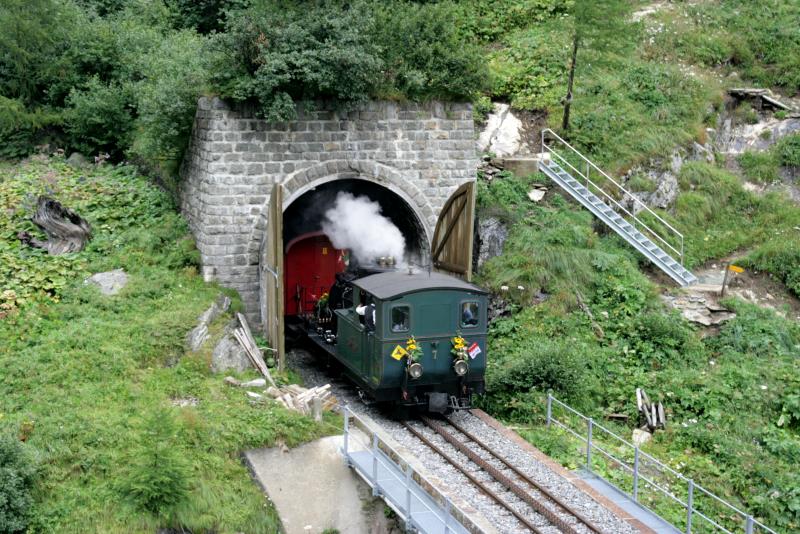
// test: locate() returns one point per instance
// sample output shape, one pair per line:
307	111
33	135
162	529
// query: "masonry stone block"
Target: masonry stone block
423	151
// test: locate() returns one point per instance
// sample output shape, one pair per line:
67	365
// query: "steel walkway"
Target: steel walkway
637	511
554	165
414	499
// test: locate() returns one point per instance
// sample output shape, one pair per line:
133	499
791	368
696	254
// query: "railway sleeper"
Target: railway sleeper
474	479
512	486
540	488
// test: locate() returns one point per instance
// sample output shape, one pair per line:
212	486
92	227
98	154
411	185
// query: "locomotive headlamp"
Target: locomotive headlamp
415	370
461	367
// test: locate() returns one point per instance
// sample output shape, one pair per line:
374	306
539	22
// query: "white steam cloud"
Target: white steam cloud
356	223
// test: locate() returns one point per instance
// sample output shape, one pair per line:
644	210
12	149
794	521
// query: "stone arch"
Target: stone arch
303	180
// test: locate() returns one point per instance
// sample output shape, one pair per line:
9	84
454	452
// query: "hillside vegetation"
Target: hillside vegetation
109	406
731	396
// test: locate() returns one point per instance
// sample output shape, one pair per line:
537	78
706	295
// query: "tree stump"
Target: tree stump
66	230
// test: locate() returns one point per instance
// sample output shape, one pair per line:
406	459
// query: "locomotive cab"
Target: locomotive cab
426	345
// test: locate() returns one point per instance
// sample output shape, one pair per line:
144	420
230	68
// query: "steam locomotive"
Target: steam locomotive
405	337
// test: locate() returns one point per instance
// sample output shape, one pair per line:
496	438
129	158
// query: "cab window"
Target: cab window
469	314
401	319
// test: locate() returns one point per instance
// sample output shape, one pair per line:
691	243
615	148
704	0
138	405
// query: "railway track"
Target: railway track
543	502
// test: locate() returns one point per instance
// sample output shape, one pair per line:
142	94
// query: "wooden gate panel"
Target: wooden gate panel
451	250
272	275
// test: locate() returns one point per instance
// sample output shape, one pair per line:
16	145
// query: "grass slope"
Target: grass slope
731	399
85	378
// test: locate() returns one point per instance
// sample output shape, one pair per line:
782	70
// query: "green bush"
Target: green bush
528	70
760	167
423	55
490	20
536	365
21	129
17	475
174	73
276	54
100	118
158	478
780	257
788	150
659	340
758	332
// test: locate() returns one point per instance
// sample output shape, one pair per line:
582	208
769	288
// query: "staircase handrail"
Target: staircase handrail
617	204
545	147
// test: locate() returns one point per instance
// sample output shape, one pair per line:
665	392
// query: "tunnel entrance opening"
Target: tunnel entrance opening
311	260
298	261
306	213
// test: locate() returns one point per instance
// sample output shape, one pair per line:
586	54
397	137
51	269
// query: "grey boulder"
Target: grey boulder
110	282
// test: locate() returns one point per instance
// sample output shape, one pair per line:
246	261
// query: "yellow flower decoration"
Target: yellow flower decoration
459	350
413	349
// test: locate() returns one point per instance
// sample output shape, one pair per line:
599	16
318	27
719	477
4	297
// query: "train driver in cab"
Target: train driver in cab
366	311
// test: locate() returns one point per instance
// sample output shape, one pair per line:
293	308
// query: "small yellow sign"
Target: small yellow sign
324	251
735	268
399	352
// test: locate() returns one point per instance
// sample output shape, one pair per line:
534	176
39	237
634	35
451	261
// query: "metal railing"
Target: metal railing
384	454
647	470
677	249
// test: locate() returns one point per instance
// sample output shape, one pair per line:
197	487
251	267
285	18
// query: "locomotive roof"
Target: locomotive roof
391	284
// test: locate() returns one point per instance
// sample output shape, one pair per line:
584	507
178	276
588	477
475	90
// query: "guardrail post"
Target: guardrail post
375	490
748	526
587	176
408	493
689	507
549	408
681	251
636	474
590	424
447	516
345	437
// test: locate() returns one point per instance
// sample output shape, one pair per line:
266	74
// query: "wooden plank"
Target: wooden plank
271	272
452	239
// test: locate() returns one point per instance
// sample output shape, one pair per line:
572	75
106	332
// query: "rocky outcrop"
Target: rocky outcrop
699	309
199	334
663	174
492	235
502	135
229	355
110	282
734	139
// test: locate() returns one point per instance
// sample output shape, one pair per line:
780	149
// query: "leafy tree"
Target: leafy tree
596	24
205	16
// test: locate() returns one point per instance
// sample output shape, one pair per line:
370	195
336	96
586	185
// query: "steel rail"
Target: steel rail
480	485
495	473
541	489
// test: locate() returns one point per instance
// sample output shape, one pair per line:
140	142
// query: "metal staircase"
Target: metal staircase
560	162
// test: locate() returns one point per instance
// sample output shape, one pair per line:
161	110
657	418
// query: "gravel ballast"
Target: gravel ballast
453	482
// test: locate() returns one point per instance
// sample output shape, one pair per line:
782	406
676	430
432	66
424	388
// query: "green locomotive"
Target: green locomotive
408	339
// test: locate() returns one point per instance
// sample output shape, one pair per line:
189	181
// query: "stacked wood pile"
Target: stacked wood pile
311	401
306	401
245	338
652	413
